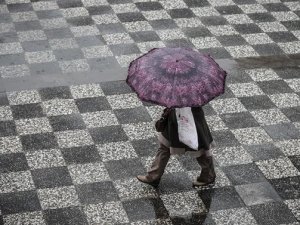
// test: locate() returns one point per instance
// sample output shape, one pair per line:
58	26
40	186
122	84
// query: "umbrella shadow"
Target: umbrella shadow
196	218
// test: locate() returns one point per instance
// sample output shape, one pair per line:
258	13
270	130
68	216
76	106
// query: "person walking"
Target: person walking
171	145
182	80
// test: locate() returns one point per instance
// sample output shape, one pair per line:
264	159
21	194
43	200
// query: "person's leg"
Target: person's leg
207	176
157	168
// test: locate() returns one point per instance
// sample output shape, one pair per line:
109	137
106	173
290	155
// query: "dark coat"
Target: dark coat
204	135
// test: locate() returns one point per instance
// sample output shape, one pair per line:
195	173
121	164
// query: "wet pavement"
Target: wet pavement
73	136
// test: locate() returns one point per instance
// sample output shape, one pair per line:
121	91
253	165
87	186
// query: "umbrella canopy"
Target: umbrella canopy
176	77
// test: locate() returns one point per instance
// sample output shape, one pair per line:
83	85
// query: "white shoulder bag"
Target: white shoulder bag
187	131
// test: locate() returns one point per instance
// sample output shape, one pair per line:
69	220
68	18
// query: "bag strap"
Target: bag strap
166	112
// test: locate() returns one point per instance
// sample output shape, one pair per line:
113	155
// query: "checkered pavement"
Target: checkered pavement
66	36
69	155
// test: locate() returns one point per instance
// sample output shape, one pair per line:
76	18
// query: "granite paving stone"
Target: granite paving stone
70	149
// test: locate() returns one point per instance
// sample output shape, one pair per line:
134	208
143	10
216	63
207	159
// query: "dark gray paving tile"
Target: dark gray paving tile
67	122
144	36
124	49
228	93
120	169
163	24
19	7
196	3
268	49
292	113
194	32
262	17
189	163
51	177
5	18
232	40
92	104
62	216
145	147
103	63
263	152
27	111
69	4
134	115
34	46
243	2
225	138
87	41
3	99
175	182
181	13
194	219
288	73
119	1
80	21
282	131
213	20
221	198
94	193
13	59
272	213
98	10
7	128
247	28
68	54
58	33
44	68
131	17
287	188
48	14
149	6
18	202
28	25
297	12
108	134
239	120
39	141
183	43
145	209
238	76
244	174
257	102
13	162
291	25
295	159
282	36
62	92
80	155
257	193
229	10
208	110
217	53
9	37
115	88
111	28
276	7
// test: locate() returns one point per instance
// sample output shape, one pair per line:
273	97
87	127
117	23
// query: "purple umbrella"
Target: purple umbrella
176	77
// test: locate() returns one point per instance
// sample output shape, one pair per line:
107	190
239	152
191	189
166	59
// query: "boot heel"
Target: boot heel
154	183
206	185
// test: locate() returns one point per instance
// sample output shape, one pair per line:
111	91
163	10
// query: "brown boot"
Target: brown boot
147	180
157	168
207	176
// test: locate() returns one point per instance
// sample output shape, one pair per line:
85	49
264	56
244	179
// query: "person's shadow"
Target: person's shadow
195	218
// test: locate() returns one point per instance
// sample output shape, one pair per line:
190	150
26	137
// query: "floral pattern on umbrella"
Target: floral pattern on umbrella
176	77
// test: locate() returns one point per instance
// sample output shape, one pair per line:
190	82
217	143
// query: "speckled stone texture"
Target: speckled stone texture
70	154
47	37
73	152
